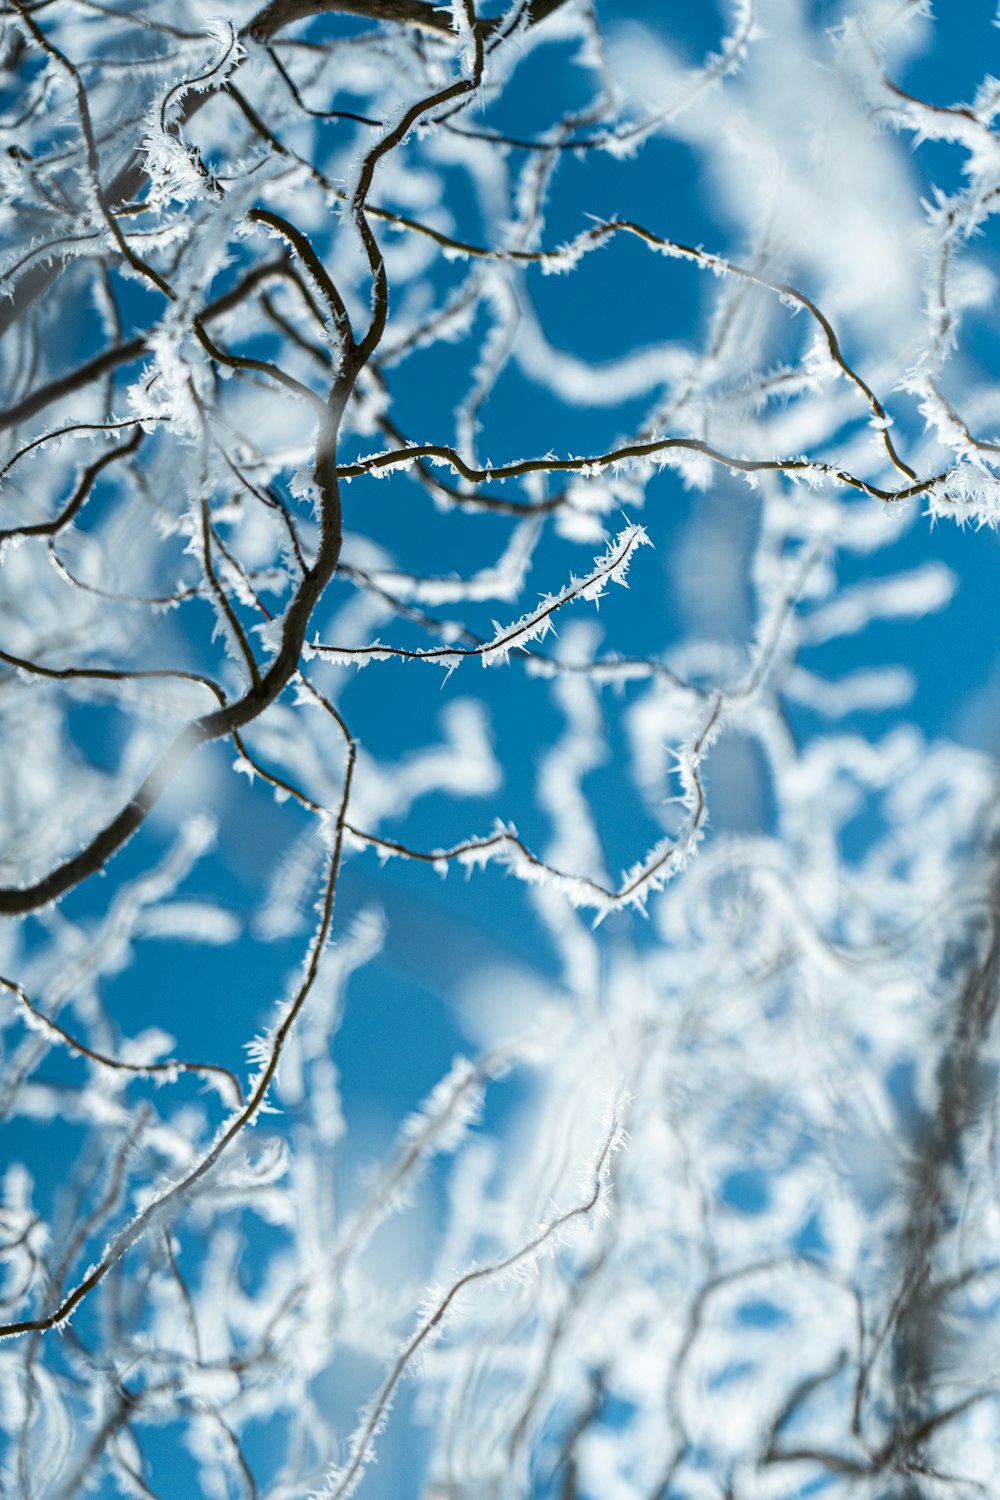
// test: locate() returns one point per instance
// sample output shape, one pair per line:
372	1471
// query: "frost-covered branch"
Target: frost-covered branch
332	331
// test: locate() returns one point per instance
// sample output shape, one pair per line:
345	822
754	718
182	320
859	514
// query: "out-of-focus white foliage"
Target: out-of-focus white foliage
653	1154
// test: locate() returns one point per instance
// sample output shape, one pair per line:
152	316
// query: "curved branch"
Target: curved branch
38	1021
660	447
223	721
245	1116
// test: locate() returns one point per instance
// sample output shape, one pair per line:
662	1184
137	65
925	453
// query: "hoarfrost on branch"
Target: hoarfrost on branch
546	1181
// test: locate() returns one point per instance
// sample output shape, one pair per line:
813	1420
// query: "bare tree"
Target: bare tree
313	360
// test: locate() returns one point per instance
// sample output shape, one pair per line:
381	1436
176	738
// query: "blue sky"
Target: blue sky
450	943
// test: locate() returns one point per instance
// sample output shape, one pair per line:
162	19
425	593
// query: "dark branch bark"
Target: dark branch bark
122	354
128	182
922	1339
419	13
281	13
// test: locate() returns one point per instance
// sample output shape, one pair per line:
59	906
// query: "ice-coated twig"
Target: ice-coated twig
534	626
46	1026
650	874
341	1484
269	1050
658	452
